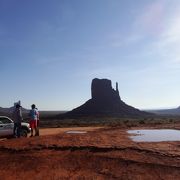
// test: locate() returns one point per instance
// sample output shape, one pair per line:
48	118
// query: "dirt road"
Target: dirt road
101	153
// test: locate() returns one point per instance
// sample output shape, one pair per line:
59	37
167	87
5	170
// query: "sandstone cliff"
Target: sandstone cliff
105	101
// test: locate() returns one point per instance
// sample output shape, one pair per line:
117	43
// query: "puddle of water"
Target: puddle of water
76	132
154	135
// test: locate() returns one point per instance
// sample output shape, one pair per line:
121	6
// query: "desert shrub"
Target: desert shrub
141	122
152	119
126	121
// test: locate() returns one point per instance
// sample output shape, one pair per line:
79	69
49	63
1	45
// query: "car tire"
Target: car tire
24	133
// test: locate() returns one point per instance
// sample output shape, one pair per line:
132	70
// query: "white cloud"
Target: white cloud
148	22
171	35
159	23
169	42
151	18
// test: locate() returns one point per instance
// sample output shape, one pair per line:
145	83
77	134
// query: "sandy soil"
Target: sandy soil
52	131
101	153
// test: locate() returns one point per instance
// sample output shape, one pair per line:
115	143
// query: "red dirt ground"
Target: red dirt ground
101	153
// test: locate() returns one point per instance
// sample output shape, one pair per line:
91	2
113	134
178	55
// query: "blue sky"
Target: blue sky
50	50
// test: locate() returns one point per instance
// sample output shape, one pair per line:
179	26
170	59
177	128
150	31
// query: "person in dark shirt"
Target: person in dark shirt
17	119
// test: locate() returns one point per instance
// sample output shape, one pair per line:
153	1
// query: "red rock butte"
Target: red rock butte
105	101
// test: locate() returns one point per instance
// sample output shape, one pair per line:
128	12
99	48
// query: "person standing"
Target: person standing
17	119
33	119
37	129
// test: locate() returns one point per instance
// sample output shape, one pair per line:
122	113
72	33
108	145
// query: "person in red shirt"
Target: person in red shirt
34	116
37	128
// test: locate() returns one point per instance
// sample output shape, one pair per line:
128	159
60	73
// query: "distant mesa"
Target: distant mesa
173	111
105	101
7	111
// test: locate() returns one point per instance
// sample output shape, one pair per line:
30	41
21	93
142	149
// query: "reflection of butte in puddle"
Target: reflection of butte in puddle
76	132
154	135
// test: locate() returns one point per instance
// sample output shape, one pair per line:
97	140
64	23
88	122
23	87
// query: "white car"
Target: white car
7	126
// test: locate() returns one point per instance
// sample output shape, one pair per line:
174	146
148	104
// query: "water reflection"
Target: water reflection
154	135
76	132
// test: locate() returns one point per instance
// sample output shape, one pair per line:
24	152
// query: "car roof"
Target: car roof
4	117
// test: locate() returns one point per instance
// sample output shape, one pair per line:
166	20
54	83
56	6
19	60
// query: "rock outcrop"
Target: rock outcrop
105	101
101	89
